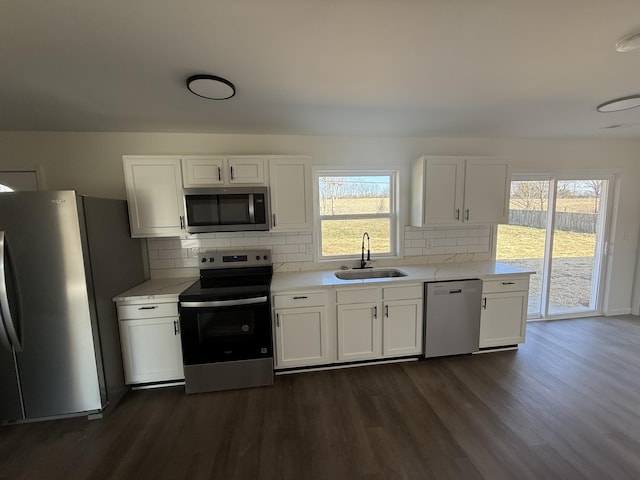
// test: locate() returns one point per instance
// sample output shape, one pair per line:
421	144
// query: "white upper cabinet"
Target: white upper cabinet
486	191
155	188
291	193
154	195
456	191
203	171
246	170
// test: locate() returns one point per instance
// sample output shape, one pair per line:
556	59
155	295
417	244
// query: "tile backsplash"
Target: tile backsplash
445	241
294	251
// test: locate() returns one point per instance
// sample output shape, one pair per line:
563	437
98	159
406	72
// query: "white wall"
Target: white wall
91	163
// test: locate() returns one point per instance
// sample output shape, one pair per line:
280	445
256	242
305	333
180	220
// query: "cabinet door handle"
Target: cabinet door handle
219	174
508	283
277	320
386	311
484	303
176	328
181	222
457	214
274	219
300	298
375	311
147	308
231	173
466	215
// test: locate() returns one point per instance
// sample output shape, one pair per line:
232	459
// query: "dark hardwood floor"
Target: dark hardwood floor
566	405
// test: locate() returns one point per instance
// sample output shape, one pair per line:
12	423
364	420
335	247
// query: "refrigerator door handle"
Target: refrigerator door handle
4	336
10	332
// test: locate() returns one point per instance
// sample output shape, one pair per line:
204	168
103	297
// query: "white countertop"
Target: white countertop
170	288
157	288
415	273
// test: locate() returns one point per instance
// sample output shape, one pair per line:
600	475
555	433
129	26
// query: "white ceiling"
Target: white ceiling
473	68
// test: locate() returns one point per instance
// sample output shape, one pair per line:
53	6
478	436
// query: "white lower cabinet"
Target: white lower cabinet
364	322
402	328
359	332
379	322
150	342
301	329
503	319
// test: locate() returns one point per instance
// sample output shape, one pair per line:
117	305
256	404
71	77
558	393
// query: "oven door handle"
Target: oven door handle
224	303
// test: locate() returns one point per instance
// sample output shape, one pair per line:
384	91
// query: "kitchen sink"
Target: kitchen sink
364	274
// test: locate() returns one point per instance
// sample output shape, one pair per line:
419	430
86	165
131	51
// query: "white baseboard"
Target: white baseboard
618	311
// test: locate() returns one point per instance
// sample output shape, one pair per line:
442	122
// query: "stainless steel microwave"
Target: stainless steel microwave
232	209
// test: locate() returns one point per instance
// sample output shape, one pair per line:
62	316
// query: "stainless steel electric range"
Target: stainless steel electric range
225	321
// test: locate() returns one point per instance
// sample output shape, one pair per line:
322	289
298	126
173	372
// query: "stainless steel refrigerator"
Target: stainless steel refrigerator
63	257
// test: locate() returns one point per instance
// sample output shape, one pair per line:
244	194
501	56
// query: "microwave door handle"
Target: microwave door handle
252	210
9	335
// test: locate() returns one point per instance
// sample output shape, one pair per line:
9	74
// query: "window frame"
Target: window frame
393	215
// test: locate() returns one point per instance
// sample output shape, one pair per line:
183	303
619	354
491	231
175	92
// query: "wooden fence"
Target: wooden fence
571	222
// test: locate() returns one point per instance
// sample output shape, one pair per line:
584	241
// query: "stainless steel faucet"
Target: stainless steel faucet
363	262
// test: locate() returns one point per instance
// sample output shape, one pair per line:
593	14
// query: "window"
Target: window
352	203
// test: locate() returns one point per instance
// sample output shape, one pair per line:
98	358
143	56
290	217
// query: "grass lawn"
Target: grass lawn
516	242
344	237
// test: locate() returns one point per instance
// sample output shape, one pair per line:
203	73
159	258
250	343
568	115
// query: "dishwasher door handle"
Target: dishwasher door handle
455	291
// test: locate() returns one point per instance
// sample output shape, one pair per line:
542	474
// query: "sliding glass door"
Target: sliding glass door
556	227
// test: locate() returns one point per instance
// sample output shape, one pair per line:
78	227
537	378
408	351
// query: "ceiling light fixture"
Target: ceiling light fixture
624	103
211	87
628	43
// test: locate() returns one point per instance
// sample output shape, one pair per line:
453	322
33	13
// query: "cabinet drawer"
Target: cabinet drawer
360	295
505	285
147	310
405	292
301	299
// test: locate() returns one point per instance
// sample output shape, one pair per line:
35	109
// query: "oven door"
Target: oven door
226	330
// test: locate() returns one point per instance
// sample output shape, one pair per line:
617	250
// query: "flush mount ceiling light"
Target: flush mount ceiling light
624	103
628	43
211	87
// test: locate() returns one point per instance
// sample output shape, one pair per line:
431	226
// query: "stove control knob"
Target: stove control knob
257	257
211	259
204	259
265	257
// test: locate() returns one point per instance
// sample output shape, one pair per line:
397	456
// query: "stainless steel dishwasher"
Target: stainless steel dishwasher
452	317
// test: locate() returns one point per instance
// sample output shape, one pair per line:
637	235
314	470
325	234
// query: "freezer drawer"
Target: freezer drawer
452	317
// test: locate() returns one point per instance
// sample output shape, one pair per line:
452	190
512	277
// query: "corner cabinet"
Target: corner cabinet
458	191
154	195
301	329
150	341
503	319
291	190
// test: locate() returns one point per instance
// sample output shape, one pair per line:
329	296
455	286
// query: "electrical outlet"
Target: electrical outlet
195	251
